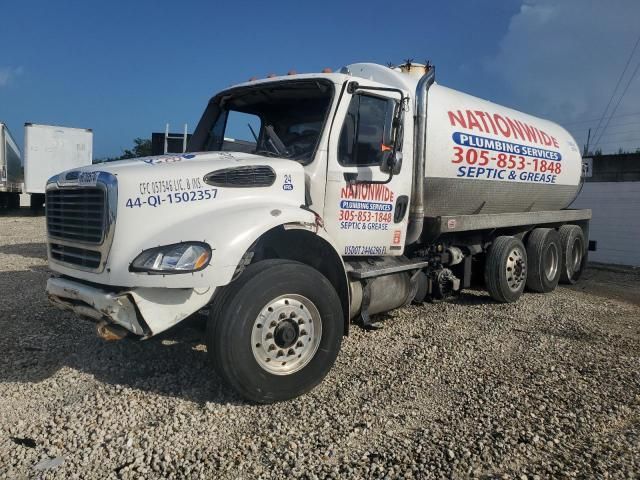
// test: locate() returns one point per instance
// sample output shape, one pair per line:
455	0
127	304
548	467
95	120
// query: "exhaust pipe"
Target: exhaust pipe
416	211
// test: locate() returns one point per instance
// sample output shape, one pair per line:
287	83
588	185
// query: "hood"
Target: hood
185	178
175	173
186	161
169	199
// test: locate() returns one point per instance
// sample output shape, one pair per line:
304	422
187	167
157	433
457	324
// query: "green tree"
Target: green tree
141	148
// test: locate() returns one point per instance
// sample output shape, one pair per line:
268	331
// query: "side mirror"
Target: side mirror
391	162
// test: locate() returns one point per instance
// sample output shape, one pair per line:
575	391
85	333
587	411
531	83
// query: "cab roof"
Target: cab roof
402	77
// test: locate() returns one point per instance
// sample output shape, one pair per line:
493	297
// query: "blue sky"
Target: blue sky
124	69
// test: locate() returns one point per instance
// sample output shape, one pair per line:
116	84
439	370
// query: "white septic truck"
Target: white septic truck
307	201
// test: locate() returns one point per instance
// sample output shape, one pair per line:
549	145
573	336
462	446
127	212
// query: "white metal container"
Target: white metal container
49	150
485	158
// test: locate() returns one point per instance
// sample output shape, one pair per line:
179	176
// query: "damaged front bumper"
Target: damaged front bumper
142	311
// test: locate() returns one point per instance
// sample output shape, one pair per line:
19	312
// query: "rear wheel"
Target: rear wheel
505	270
574	253
275	332
544	258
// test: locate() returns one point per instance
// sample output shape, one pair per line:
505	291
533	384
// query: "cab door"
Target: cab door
365	210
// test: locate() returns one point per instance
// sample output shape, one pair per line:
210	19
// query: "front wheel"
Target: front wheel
275	332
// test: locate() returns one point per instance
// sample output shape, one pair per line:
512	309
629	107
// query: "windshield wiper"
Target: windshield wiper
252	132
275	141
269	153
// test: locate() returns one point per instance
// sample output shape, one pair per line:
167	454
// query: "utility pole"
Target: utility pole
586	147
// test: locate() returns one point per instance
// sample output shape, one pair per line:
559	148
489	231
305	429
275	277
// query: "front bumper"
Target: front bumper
142	311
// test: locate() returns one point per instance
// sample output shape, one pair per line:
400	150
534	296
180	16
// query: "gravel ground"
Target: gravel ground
546	387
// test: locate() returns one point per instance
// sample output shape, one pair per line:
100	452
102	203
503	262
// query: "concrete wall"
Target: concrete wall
616	220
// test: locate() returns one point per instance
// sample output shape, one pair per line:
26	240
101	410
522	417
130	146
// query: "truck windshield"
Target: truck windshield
283	119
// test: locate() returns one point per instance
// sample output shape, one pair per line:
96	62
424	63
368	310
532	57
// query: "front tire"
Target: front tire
275	332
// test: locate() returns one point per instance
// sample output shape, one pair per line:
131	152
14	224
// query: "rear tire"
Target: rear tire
505	271
275	332
574	253
544	257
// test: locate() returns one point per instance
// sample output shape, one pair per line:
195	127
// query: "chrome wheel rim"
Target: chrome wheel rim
286	334
516	269
551	261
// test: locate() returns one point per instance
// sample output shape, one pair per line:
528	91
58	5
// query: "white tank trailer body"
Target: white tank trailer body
355	193
484	158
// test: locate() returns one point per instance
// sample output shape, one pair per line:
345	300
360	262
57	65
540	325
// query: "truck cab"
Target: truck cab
298	206
343	133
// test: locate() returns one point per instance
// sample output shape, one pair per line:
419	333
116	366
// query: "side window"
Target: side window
367	130
232	131
238	123
239	131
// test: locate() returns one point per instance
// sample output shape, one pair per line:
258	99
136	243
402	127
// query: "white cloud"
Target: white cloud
562	59
7	74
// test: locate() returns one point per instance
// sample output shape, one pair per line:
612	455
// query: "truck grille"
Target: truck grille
76	214
81	214
77	256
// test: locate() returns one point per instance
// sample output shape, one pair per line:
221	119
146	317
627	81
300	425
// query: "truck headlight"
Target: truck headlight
177	258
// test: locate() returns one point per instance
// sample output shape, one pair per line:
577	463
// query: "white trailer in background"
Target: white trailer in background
50	149
10	170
